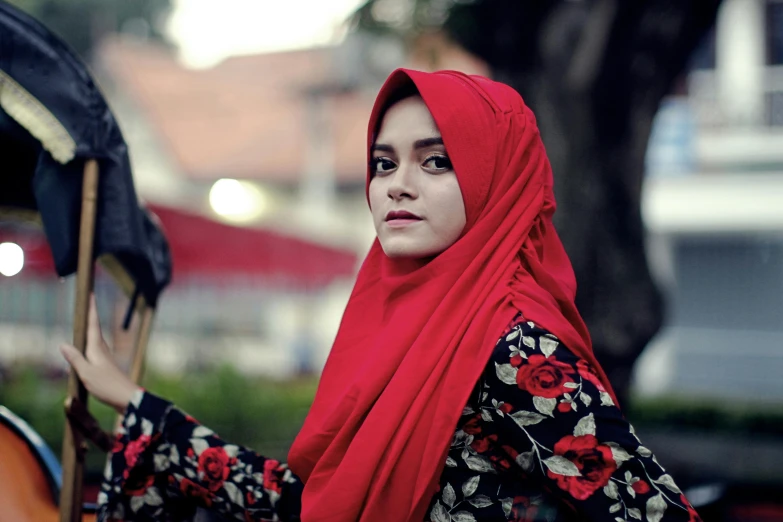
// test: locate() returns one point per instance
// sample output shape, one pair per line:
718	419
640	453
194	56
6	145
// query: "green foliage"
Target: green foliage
82	23
266	415
675	413
261	414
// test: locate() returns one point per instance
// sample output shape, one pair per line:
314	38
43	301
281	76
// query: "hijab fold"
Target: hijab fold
416	336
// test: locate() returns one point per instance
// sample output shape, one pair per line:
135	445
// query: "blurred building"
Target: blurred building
713	202
290	127
237	161
256	168
275	144
284	125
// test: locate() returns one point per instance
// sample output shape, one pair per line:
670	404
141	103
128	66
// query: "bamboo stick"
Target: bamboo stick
73	456
142	340
147	314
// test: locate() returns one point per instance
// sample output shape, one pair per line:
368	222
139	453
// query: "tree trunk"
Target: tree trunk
594	73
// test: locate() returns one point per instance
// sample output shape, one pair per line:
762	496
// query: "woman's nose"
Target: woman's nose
403	183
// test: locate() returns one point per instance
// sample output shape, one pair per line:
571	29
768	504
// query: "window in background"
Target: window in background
774	39
775	32
704	55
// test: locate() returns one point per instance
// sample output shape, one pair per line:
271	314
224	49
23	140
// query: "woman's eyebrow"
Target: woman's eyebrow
427	142
382	148
418	144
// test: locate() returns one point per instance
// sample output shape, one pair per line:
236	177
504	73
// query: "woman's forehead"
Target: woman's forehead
408	118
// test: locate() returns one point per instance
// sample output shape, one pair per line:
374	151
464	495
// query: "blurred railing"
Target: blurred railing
705	102
262	328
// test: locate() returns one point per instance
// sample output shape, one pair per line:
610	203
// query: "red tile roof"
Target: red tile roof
247	117
203	247
244	118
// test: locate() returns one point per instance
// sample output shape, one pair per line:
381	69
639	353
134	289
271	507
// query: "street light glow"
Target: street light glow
237	200
11	259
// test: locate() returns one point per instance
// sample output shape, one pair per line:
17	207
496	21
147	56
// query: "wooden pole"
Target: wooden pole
147	314
71	495
142	340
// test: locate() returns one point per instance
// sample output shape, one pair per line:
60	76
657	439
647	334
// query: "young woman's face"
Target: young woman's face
416	202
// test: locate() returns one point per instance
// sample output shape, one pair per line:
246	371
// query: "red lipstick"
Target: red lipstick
401	215
401	218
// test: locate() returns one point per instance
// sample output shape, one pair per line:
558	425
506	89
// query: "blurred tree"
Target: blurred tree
594	72
82	23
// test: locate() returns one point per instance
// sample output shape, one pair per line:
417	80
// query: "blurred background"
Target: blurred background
246	123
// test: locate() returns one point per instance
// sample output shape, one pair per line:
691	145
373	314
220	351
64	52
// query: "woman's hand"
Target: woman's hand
98	371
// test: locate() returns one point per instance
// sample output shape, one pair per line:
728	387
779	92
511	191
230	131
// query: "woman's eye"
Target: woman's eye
438	163
381	165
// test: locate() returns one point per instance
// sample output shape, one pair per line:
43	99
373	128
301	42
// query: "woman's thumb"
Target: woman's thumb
73	356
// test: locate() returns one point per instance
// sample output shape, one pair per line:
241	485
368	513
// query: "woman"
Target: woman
461	385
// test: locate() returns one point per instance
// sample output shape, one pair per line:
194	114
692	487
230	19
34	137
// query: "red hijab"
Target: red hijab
416	336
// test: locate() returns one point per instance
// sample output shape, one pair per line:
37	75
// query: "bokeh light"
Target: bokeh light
11	259
236	200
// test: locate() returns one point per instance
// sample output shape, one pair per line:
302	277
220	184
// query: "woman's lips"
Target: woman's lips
401	214
401	218
399	223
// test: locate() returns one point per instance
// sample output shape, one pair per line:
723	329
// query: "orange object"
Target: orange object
28	495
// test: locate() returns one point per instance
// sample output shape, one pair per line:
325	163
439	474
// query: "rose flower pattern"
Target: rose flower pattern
213	467
544	377
594	462
539	439
165	464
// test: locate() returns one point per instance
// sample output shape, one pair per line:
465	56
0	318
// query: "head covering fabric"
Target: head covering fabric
416	335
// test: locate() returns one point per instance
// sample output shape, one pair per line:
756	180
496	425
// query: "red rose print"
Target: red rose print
137	488
587	374
510	462
271	480
511	452
473	426
213	463
135	448
483	444
193	490
564	407
640	487
544	377
593	460
500	462
523	511
516	360
506	407
118	444
504	461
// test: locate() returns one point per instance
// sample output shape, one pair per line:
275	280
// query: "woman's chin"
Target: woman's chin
409	250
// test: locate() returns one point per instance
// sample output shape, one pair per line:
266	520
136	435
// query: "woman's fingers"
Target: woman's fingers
97	351
96	369
74	358
93	323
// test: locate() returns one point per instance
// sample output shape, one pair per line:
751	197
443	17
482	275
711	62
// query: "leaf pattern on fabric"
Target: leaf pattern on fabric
555	445
164	465
539	439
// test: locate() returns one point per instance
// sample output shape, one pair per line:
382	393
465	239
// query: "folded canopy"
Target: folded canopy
52	119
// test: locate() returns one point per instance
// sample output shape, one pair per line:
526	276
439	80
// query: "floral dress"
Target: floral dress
540	439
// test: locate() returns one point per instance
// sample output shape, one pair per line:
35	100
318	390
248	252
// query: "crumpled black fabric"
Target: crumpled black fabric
31	178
